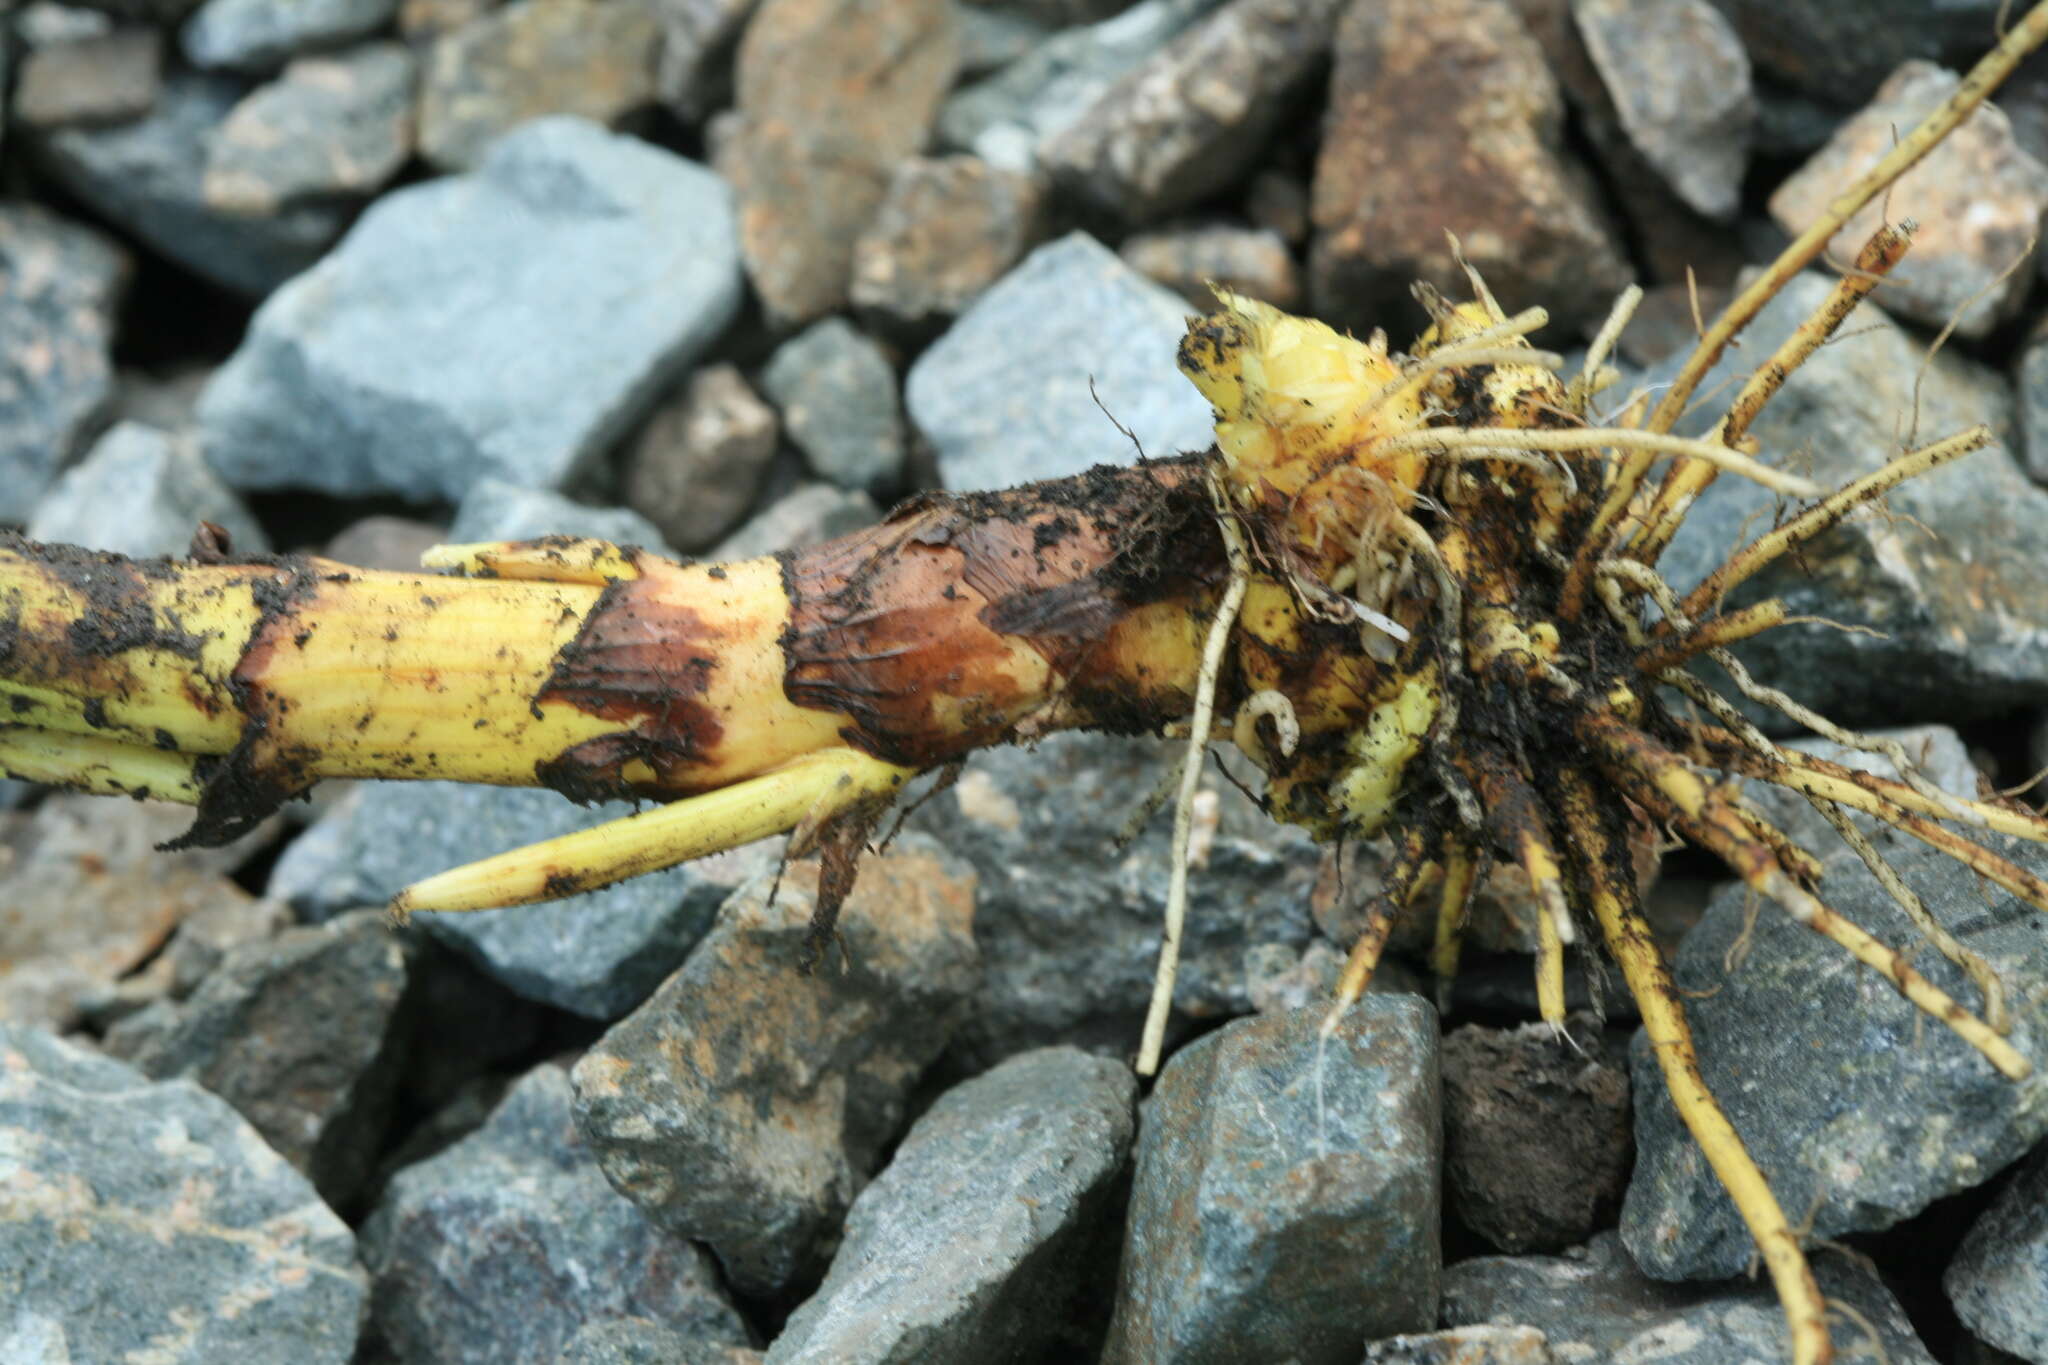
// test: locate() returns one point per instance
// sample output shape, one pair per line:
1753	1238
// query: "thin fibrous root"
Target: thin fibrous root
1970	92
1612	899
1199	722
1594	440
1666	786
1687	479
806	790
1454	902
1829	511
1397	887
1579	392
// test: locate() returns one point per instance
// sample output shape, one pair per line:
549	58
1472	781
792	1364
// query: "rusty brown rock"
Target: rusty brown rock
84	899
1537	1143
1444	116
747	1101
1978	198
831	95
947	229
1193	118
593	58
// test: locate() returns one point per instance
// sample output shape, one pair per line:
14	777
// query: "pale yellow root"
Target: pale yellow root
1630	941
832	780
1459	874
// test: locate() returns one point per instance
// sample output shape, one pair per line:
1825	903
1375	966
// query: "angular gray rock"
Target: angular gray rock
809	514
1829	1075
1069	924
1680	83
2031	379
597	954
1949	579
503	1246
1979	199
1006	117
574	276
697	467
493	509
304	1034
1593	1304
328	128
1195	116
1188	260
149	176
1536	1132
1488	1345
837	394
697	40
1837	53
256	36
593	59
141	491
1998	1280
946	230
1285	1202
1010	393
642	1341
149	1221
971	1243
745	1103
63	284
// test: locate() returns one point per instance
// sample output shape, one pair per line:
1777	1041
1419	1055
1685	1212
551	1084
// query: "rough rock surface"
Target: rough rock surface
149	176
1949	578
85	899
1006	117
1194	116
1011	392
698	465
832	94
109	77
62	283
1069	925
496	510
2031	379
1536	1132
597	954
506	1244
1487	162
1593	1304
329	127
1858	1109
1998	1280
1680	84
809	514
642	1341
304	1034
947	229
142	492
148	1221
594	59
574	276
837	394
1489	1345
255	36
745	1103
972	1242
1838	53
1285	1202
1979	200
1190	260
